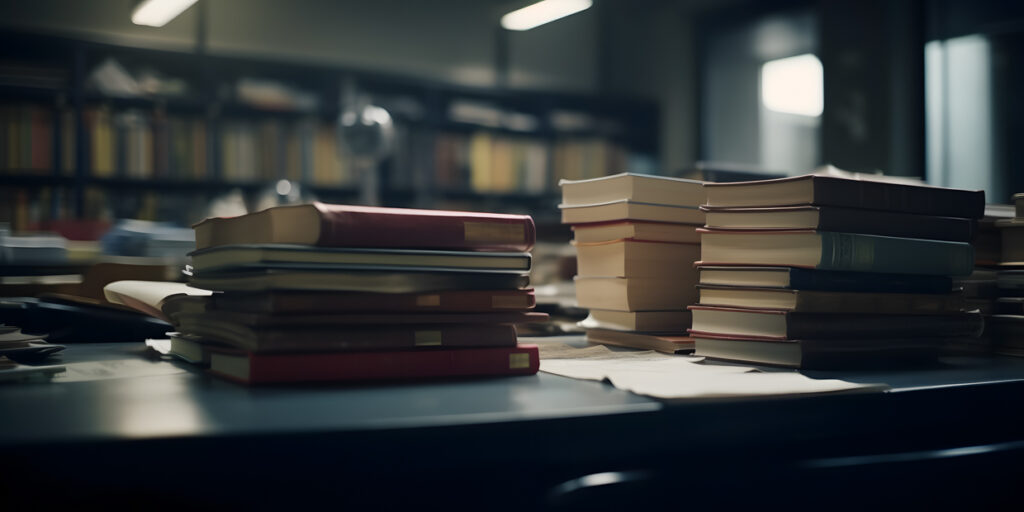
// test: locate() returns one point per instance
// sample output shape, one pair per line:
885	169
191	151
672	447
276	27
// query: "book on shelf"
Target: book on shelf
826	280
390	281
629	258
624	209
782	324
814	301
837	251
305	256
641	321
334	338
636	230
336	225
441	301
816	354
635	293
845	220
870	194
254	368
665	343
641	188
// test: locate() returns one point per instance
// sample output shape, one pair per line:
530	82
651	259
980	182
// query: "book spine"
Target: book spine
399	365
870	253
898	225
827	280
354	228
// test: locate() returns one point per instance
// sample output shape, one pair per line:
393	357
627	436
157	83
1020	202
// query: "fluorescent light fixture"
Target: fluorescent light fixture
542	12
156	13
794	85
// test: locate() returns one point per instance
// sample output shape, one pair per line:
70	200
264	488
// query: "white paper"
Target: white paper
659	375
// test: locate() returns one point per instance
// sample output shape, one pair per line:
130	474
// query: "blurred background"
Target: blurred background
116	136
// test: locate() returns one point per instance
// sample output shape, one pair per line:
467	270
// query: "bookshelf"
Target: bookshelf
184	128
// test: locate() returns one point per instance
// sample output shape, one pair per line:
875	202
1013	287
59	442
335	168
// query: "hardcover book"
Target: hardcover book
358	281
304	256
341	320
666	343
252	368
351	338
446	301
813	301
846	220
837	251
636	230
635	293
788	325
847	192
629	258
826	280
630	210
337	225
831	354
642	321
644	188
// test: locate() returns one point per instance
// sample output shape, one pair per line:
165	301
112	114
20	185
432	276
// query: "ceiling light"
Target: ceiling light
156	13
543	12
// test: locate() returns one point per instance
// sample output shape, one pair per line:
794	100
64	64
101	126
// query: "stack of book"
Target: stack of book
822	271
636	242
324	292
1007	322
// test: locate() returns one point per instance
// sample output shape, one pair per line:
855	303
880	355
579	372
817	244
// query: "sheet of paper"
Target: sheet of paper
115	369
674	376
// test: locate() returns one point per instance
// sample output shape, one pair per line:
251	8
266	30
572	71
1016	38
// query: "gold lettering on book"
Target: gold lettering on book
428	300
428	338
518	361
510	302
493	232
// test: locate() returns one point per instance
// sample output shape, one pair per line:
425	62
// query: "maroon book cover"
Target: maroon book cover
253	368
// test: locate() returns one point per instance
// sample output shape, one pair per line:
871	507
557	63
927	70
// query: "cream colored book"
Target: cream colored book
634	187
628	258
635	293
630	210
646	231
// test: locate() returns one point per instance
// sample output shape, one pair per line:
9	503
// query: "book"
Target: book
813	354
253	368
190	349
342	320
644	188
814	301
298	256
630	258
665	343
449	301
819	190
333	338
358	281
1011	232
846	220
630	210
1018	204
782	325
825	280
837	251
636	230
634	293
148	297
642	321
337	225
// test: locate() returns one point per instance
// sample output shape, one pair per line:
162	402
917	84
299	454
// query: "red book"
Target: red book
250	368
335	225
